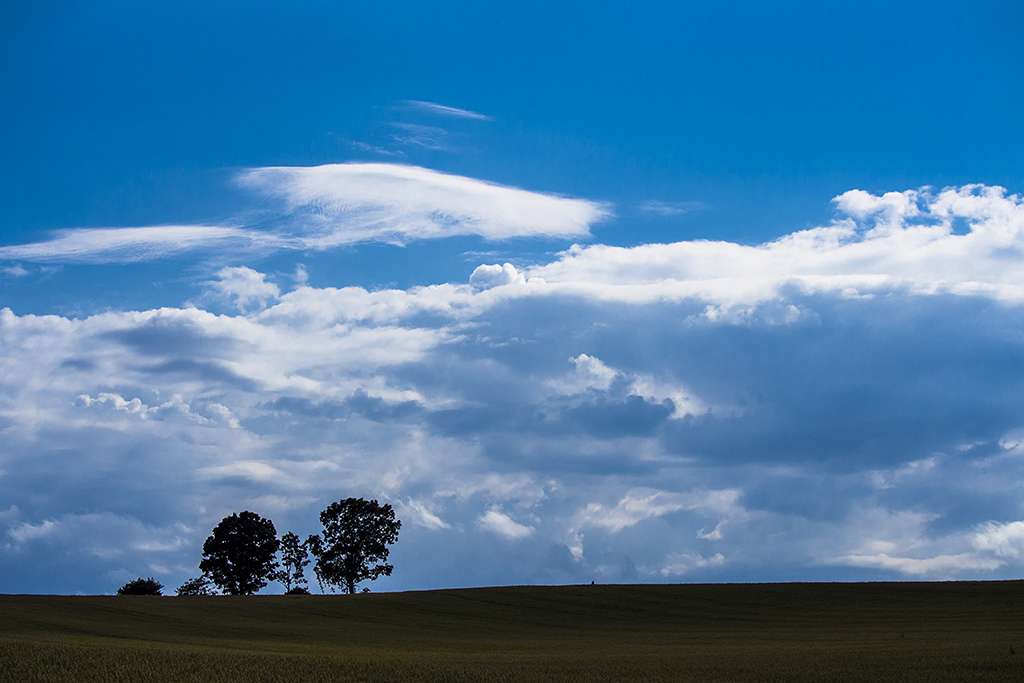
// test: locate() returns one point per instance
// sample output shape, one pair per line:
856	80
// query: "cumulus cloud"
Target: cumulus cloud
485	276
678	564
245	286
590	373
498	522
898	242
639	413
1004	540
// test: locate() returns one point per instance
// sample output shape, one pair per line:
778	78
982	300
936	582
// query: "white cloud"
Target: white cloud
377	150
422	515
428	137
498	522
244	286
104	535
350	203
26	532
442	110
669	208
894	206
223	414
677	564
657	389
639	505
134	406
906	244
126	245
173	408
245	469
590	373
485	277
518	488
1005	540
912	566
334	205
900	541
509	411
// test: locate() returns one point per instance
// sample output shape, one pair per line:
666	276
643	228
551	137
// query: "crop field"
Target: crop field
958	631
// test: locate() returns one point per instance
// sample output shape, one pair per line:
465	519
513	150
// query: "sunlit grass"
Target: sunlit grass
771	632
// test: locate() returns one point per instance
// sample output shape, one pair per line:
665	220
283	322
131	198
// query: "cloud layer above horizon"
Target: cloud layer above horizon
323	207
839	403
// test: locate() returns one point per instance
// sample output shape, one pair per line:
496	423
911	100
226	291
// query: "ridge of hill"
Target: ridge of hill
716	632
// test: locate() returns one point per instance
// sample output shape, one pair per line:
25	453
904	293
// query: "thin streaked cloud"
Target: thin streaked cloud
329	206
670	208
128	245
442	110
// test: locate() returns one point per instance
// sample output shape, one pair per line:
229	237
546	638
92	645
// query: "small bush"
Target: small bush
297	590
141	586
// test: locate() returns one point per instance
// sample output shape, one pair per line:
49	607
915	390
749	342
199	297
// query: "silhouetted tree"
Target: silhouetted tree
197	586
294	557
141	586
315	546
239	555
355	542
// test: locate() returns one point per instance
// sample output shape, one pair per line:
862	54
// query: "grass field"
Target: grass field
962	631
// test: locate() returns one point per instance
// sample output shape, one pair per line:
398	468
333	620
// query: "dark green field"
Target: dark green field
752	632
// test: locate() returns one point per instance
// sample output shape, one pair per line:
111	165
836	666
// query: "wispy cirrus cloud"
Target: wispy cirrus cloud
442	110
349	203
127	245
335	205
427	137
670	208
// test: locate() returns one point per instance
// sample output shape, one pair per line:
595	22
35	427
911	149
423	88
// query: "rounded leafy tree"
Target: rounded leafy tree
354	546
141	586
239	555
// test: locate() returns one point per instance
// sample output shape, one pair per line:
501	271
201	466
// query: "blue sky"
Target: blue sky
687	292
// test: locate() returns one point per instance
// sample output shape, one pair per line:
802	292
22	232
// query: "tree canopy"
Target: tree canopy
354	545
239	556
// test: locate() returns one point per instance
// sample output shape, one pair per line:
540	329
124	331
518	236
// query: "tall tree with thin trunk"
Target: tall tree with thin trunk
294	557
